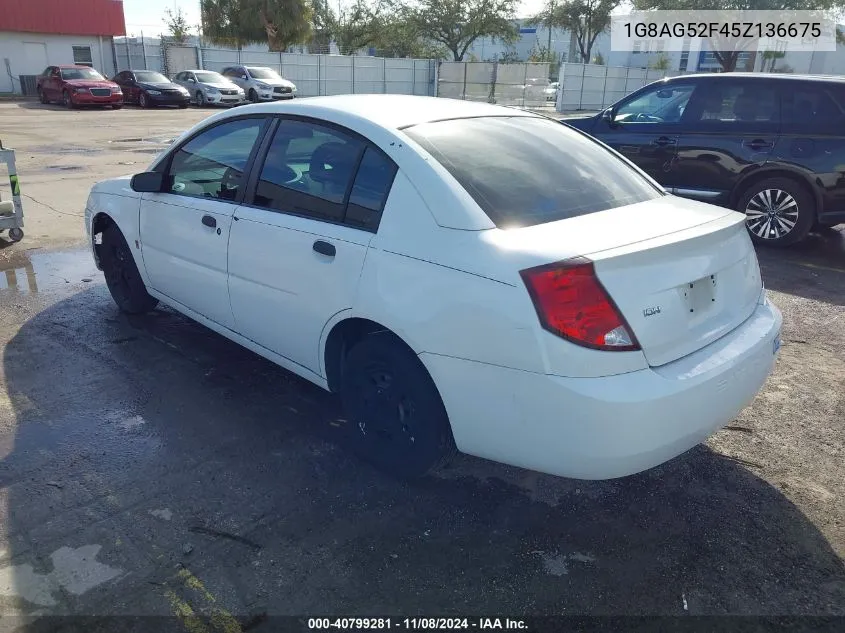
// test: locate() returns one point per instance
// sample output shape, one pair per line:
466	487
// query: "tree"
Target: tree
598	60
661	62
728	50
279	23
584	19
456	24
177	24
541	54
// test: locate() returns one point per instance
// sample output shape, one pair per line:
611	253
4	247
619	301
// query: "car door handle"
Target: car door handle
757	143
324	248
209	221
663	141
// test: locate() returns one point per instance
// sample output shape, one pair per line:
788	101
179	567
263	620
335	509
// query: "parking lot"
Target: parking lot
151	467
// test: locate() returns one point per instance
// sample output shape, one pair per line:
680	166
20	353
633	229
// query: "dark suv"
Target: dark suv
771	146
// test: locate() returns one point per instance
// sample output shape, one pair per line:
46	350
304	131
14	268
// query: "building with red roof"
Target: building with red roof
35	34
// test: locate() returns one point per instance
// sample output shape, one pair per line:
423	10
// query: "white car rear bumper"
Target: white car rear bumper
602	428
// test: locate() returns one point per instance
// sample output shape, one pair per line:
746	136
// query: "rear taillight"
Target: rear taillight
572	303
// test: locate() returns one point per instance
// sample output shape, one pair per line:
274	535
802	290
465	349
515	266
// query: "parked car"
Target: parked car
261	83
148	89
209	88
75	86
550	91
549	306
770	146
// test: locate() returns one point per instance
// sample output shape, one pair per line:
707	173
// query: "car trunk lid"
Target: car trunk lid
682	273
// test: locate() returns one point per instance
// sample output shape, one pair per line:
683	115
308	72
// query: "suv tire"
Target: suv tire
779	211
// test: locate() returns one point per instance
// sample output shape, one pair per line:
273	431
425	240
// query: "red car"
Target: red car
75	86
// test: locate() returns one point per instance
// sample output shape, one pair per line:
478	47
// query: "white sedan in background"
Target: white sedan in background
464	275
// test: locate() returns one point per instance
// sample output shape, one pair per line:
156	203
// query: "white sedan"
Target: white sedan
465	276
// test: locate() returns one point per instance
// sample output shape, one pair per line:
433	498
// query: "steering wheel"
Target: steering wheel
642	117
229	183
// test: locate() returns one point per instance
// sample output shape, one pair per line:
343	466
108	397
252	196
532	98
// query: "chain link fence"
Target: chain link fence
513	84
595	87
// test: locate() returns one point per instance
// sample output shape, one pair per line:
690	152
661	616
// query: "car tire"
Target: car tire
200	99
779	211
396	418
253	96
144	100
122	277
43	97
67	100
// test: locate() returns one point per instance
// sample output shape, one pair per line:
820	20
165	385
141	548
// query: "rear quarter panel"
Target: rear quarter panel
437	308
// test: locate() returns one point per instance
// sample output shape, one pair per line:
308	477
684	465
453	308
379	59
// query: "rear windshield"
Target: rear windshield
524	171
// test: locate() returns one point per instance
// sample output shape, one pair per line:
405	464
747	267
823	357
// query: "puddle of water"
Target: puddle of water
28	273
52	149
154	140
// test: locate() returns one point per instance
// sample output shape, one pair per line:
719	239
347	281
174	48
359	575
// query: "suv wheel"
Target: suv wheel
779	211
253	96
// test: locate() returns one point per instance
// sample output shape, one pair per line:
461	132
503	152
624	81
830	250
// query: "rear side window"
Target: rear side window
369	193
815	107
735	103
524	171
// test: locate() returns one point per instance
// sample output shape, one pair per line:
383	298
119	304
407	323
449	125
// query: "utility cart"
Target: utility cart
11	211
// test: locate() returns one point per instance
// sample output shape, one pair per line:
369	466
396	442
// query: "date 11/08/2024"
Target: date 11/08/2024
418	624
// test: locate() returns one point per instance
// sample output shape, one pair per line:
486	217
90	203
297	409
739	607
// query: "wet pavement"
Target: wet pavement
151	467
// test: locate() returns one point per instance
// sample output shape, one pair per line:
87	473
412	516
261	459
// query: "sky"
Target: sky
146	15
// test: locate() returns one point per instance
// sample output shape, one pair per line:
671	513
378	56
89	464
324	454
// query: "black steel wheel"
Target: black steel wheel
396	418
779	211
122	276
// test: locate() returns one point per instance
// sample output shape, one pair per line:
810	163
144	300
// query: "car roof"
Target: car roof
391	111
72	66
759	76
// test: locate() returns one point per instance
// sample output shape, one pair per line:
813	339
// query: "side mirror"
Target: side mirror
192	80
147	182
608	115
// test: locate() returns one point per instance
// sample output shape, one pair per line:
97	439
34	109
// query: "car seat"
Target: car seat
330	170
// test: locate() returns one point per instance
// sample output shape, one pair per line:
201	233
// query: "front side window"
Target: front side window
661	104
524	171
308	170
212	164
81	73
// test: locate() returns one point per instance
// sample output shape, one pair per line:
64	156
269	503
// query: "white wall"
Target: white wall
30	53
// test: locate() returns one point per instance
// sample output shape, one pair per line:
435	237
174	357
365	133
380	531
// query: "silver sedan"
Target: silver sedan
208	87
